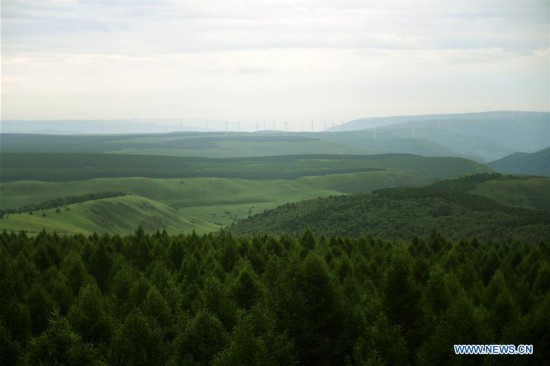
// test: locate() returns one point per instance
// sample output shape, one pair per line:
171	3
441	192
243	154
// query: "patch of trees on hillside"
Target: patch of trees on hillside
62	201
225	300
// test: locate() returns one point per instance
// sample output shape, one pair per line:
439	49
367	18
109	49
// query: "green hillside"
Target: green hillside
68	167
214	198
221	145
120	215
400	213
537	163
525	191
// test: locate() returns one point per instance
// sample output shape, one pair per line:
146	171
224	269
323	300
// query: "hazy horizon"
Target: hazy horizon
254	61
159	125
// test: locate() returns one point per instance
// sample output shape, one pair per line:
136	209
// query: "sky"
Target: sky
294	61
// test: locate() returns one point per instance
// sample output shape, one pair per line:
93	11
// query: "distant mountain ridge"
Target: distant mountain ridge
537	163
370	122
482	136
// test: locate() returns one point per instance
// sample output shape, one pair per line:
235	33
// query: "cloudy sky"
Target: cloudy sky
270	60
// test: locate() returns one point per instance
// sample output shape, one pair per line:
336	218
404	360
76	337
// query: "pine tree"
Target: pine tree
89	317
244	347
402	296
138	342
201	341
60	345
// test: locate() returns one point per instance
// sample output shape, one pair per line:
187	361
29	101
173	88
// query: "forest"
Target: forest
452	206
159	299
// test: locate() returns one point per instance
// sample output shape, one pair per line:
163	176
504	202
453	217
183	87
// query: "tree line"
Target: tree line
62	201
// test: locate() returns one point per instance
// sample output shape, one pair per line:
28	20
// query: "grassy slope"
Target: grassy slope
215	200
219	145
221	201
380	171
114	215
67	167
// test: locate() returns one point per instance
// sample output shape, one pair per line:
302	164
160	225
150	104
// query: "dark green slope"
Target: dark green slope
537	163
221	145
401	213
63	167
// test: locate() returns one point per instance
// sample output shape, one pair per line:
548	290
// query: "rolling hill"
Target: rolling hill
481	136
221	145
120	215
67	167
401	213
216	191
537	163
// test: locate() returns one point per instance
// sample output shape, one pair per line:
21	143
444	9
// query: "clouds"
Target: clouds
212	25
339	59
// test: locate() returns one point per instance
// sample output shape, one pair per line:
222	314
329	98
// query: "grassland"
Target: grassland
216	201
67	167
221	145
216	192
117	215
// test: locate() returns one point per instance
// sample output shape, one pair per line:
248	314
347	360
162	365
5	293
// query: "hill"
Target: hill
479	136
216	191
221	145
67	167
482	136
537	163
401	213
119	215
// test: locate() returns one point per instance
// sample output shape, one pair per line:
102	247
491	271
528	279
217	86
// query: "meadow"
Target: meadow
201	194
222	145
